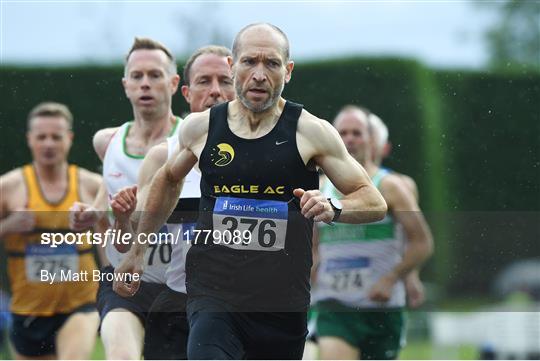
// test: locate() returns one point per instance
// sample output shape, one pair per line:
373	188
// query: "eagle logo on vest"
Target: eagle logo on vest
225	154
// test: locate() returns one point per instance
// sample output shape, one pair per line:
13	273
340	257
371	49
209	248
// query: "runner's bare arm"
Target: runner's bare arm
95	193
166	185
100	142
404	207
411	185
163	194
413	283
362	202
164	191
155	159
14	217
7	182
84	215
159	200
92	188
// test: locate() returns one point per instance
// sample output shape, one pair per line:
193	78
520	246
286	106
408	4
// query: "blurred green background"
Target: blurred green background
469	139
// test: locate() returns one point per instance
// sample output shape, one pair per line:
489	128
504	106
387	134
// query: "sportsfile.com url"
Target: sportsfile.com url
114	236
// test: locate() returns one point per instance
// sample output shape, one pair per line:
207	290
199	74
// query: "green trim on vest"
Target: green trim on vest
378	177
384	230
357	233
139	156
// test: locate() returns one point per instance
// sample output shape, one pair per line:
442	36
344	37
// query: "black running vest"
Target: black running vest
253	250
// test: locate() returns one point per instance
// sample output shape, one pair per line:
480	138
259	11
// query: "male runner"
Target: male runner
360	289
59	319
248	284
207	78
150	80
381	148
208	82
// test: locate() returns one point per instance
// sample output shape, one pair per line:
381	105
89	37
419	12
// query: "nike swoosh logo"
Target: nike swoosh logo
280	143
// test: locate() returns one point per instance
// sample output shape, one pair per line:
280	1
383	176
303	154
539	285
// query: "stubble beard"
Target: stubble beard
270	102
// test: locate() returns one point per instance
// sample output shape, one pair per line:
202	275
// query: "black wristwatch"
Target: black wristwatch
337	207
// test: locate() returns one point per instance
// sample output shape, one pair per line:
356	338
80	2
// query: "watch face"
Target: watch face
336	204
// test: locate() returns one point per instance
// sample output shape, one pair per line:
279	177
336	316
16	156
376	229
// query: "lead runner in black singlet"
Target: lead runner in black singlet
248	268
264	281
277	255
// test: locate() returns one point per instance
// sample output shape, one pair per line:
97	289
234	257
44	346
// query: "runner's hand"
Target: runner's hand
415	290
124	203
314	205
382	290
82	216
131	265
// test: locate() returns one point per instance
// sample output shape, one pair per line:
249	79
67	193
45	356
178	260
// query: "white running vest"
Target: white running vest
354	256
120	170
176	273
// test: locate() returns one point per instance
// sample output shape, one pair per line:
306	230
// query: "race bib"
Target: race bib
159	252
250	224
188	231
347	276
58	261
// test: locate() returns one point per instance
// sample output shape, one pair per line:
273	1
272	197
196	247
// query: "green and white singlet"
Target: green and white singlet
354	257
121	169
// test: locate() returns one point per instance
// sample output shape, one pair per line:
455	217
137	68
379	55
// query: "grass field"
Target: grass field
417	350
425	350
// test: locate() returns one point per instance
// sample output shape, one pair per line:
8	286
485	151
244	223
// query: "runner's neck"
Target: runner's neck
255	121
50	173
148	130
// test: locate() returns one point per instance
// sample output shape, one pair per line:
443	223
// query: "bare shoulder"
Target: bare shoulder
410	183
317	136
406	178
102	139
395	191
310	124
392	181
194	132
11	180
12	189
194	126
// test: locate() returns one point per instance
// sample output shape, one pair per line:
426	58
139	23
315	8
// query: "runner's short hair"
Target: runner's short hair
50	109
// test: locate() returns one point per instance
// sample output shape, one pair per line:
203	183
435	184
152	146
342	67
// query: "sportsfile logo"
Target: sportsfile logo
52	240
